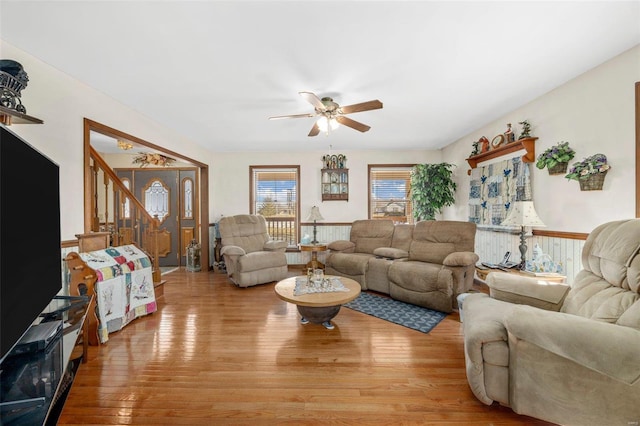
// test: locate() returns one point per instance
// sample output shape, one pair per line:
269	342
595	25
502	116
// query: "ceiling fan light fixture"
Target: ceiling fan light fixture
325	124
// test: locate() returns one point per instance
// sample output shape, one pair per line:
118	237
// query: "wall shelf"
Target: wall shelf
9	116
528	144
335	184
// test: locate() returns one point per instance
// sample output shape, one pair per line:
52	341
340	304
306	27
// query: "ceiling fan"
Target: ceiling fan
331	113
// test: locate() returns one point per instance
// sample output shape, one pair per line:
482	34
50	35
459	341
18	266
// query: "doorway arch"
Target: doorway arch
203	195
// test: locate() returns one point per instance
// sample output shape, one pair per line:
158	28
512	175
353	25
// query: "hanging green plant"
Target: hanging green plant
556	158
431	189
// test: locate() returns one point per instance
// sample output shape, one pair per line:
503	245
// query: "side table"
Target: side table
482	274
314	263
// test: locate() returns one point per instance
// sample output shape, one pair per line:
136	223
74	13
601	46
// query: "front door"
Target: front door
157	190
169	194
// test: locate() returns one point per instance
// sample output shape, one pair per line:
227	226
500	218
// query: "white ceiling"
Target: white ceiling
215	70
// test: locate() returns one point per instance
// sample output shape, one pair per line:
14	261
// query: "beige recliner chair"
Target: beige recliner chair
565	355
250	255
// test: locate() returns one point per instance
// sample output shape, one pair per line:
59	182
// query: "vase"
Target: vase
592	183
558	169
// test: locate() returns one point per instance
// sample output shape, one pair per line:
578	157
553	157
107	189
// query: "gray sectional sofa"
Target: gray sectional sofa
427	264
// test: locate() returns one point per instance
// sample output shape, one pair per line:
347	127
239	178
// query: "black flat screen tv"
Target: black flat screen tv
30	255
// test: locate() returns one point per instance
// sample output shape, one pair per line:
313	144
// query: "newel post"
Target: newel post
155	226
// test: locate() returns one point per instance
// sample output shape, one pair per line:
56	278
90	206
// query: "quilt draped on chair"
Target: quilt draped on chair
124	290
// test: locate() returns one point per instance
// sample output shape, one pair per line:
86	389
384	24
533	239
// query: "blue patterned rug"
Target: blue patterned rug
405	314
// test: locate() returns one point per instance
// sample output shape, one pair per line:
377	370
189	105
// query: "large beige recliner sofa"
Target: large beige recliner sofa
250	255
565	355
426	264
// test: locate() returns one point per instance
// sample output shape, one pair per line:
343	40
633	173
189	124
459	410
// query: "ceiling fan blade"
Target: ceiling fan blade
315	130
313	100
364	106
352	123
278	117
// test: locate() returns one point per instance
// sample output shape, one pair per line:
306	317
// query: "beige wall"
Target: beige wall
230	179
62	103
595	114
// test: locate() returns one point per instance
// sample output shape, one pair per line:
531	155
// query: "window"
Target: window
156	199
274	194
389	192
187	198
125	212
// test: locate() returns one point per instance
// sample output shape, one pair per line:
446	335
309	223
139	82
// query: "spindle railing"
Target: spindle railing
139	228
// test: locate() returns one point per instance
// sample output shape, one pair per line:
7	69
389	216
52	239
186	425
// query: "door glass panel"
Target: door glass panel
156	200
126	206
187	197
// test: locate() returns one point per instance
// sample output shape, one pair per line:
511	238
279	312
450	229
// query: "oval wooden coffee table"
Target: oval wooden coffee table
318	308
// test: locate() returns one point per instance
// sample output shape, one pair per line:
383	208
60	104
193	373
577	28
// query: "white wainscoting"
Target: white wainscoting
325	234
492	245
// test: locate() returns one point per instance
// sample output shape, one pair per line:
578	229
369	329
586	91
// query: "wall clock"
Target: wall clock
497	141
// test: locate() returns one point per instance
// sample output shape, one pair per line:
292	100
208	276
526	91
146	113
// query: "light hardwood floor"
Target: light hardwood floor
218	354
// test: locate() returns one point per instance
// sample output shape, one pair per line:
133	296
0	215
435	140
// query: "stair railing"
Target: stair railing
144	227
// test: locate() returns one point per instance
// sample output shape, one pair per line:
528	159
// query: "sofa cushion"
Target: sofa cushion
416	276
612	248
434	240
631	317
390	253
350	263
594	298
261	260
342	245
244	230
422	284
370	234
530	291
402	236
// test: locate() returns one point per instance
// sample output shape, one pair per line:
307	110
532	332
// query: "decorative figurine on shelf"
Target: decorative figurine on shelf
334	161
13	78
526	129
509	136
485	144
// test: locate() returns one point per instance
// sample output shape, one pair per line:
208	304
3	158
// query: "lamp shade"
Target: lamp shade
315	214
522	213
325	123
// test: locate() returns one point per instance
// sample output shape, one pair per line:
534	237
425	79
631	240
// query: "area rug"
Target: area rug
405	314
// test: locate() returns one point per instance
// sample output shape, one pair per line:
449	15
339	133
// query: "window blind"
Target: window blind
389	193
275	196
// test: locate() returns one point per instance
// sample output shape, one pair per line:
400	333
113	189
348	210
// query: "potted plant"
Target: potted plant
431	189
526	129
556	158
590	172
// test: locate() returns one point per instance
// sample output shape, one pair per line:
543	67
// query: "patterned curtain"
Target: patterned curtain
494	187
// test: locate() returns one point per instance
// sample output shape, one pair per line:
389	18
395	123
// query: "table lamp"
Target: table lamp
522	213
313	216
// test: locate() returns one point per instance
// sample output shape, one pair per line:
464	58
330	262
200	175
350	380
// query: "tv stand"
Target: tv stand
31	382
22	404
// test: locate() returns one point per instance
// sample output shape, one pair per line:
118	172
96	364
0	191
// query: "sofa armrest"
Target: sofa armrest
391	253
275	245
232	251
530	291
609	349
460	258
342	246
